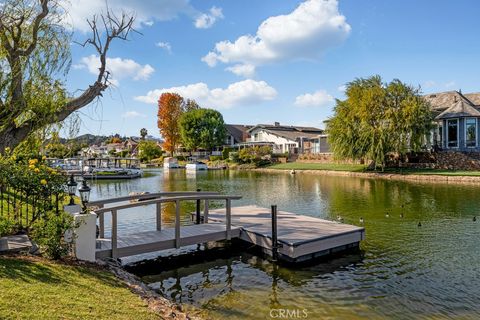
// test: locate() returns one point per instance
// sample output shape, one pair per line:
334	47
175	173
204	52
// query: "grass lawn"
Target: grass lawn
40	289
436	172
318	166
362	168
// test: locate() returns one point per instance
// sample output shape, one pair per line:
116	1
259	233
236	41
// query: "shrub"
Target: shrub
226	152
7	227
49	234
216	158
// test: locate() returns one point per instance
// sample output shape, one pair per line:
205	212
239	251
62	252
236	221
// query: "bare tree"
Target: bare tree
34	52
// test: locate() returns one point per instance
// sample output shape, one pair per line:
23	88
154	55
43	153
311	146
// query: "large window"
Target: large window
452	133
471	132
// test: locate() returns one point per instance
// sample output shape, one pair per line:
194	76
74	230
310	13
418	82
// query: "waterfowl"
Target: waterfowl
387	215
474	218
419	224
292	172
361	219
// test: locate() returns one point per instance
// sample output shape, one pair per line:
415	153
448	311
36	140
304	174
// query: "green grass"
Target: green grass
319	166
437	172
362	168
42	289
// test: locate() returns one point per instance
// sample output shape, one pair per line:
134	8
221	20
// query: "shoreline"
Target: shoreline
423	178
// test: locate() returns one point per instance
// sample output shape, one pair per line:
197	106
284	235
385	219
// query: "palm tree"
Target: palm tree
143	133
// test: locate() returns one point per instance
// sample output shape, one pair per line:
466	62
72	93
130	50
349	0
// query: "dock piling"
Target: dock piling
274	234
198	217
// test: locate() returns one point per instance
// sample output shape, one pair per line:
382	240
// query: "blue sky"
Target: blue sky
272	60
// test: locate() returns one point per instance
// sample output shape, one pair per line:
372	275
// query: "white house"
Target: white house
285	139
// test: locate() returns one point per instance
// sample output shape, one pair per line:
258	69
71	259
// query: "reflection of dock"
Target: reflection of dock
300	237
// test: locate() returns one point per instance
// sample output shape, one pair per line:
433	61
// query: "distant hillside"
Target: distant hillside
89	139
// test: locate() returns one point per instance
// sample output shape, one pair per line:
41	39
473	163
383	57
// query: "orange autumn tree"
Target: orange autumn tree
170	107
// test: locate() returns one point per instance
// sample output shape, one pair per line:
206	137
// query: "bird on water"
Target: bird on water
474	218
419	224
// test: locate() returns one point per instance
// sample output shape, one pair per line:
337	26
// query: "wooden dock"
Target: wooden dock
300	237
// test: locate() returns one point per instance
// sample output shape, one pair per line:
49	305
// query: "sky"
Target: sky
271	60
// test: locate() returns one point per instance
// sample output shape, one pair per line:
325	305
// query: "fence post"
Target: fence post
159	216
205	212
198	209
274	234
114	234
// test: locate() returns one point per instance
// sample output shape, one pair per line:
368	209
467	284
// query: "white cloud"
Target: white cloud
317	99
306	33
450	84
164	45
133	114
119	68
207	20
146	12
247	92
244	70
429	84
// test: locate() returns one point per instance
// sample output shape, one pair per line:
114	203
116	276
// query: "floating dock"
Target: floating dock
299	237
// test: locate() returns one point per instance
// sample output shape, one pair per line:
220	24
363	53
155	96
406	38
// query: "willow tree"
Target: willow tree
377	119
35	59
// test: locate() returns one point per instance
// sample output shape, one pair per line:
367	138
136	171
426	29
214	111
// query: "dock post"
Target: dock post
274	234
159	216
177	224
198	209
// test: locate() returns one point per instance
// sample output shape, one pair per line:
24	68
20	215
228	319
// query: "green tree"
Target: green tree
34	60
378	119
149	150
202	128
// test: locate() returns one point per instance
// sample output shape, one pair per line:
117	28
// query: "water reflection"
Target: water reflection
406	271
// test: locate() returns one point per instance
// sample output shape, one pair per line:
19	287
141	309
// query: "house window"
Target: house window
471	132
452	133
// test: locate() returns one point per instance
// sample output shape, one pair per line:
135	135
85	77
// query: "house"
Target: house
286	139
236	133
457	116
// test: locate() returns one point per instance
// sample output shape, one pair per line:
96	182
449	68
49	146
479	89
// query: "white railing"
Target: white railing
158	199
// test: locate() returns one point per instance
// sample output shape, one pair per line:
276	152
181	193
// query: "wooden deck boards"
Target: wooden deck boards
302	237
150	241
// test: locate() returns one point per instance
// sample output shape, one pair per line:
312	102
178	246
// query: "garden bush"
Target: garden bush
49	234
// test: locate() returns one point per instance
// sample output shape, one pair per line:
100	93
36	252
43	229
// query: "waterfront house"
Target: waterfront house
286	139
236	133
457	117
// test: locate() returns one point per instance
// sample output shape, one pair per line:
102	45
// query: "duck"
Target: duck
419	224
474	219
387	215
292	171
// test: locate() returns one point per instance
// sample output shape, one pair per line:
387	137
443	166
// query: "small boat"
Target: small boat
123	168
170	163
196	166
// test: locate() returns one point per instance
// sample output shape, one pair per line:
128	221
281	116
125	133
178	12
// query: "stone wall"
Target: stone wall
447	160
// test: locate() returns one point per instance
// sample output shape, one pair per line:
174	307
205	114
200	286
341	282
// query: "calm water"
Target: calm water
403	272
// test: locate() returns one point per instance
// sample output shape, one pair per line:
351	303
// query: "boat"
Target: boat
112	168
170	163
196	166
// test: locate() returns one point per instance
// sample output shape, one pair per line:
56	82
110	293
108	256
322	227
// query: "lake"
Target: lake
403	270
